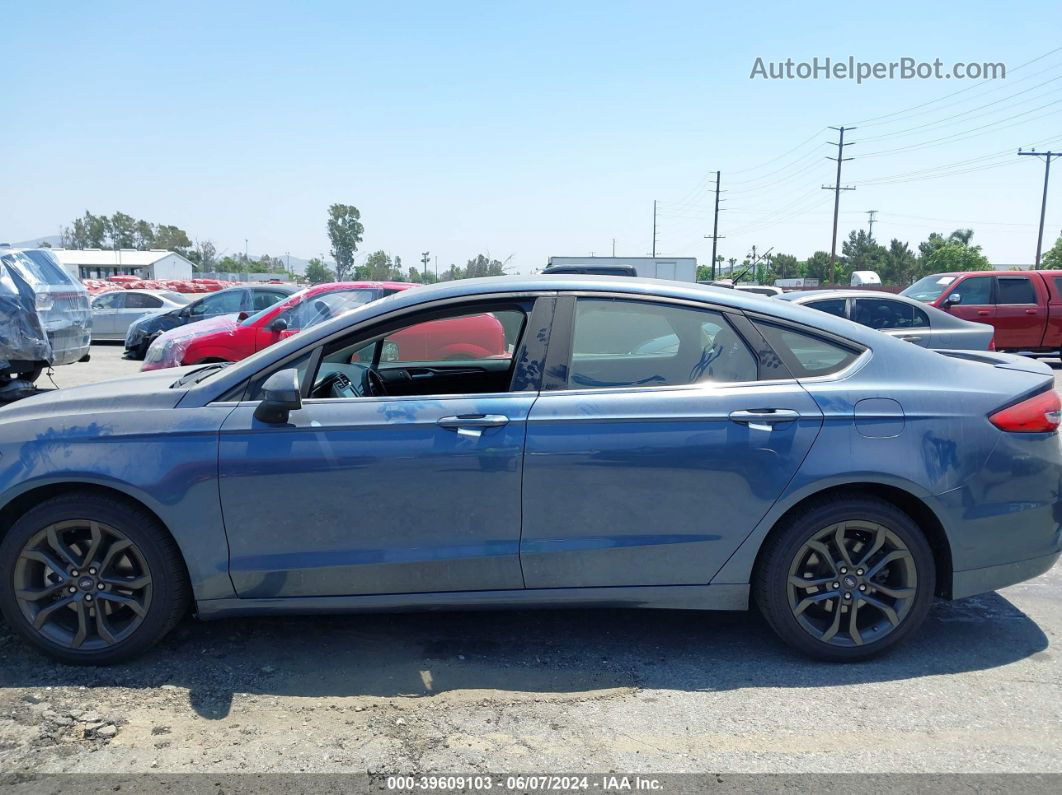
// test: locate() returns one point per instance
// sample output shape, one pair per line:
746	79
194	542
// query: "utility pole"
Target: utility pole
870	223
425	258
1043	204
654	228
715	236
613	248
840	144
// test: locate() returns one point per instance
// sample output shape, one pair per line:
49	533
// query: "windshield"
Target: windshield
37	267
176	298
302	310
929	288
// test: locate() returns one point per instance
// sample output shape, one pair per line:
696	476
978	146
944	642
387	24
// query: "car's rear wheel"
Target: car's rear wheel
846	579
91	580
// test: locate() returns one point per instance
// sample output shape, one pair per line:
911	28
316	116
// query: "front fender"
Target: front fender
167	460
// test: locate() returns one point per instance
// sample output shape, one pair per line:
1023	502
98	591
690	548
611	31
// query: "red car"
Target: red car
1024	306
234	337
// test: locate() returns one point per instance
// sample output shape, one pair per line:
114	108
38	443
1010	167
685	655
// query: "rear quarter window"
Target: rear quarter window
807	354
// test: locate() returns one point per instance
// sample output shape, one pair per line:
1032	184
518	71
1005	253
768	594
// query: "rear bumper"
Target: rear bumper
991	578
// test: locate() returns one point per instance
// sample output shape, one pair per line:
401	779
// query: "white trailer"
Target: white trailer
681	269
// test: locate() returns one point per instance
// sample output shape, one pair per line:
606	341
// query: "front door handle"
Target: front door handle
982	313
472	425
910	337
1030	311
763	419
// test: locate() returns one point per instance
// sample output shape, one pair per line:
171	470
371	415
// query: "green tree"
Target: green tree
318	273
172	238
862	253
900	265
204	256
344	231
817	266
89	231
144	236
483	266
380	267
121	229
955	256
785	266
1052	258
952	253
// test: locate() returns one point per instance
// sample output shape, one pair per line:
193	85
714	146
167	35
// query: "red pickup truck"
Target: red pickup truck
1024	306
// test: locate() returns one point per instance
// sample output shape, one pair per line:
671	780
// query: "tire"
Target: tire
30	375
137	595
793	585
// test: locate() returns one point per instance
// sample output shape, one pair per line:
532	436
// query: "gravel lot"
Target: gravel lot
551	691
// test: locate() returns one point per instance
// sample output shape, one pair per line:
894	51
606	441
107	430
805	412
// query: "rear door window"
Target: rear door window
883	313
831	306
1014	290
142	301
263	299
619	343
113	300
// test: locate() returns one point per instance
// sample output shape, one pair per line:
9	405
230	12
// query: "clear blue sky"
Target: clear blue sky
519	129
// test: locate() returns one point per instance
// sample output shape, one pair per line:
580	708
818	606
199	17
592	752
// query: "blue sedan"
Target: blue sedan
639	443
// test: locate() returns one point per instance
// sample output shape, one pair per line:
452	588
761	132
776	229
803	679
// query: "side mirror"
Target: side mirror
242	317
279	325
954	298
280	396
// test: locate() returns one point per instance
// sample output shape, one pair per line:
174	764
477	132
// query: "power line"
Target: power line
840	144
868	121
1043	204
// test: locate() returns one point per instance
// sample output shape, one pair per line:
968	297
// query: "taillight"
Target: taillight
992	344
1039	414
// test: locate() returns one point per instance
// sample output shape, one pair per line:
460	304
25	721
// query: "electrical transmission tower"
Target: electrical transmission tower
1043	204
840	144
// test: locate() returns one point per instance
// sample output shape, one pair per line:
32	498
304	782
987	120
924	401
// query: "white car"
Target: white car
114	311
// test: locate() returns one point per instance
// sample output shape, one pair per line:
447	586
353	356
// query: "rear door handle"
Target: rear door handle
1030	311
472	425
982	313
910	337
763	419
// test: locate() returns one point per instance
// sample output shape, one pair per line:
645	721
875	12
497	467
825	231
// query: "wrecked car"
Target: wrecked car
44	318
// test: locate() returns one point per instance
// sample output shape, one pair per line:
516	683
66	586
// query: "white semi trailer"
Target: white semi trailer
681	269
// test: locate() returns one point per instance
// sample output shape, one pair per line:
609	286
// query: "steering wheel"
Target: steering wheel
336	385
374	384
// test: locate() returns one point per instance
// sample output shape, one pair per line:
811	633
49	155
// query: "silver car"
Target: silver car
900	317
113	312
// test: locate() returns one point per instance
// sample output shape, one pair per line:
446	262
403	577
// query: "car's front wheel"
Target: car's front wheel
846	579
91	580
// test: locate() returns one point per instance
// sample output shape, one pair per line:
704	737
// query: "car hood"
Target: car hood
140	392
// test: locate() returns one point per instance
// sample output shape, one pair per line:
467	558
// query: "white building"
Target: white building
94	263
